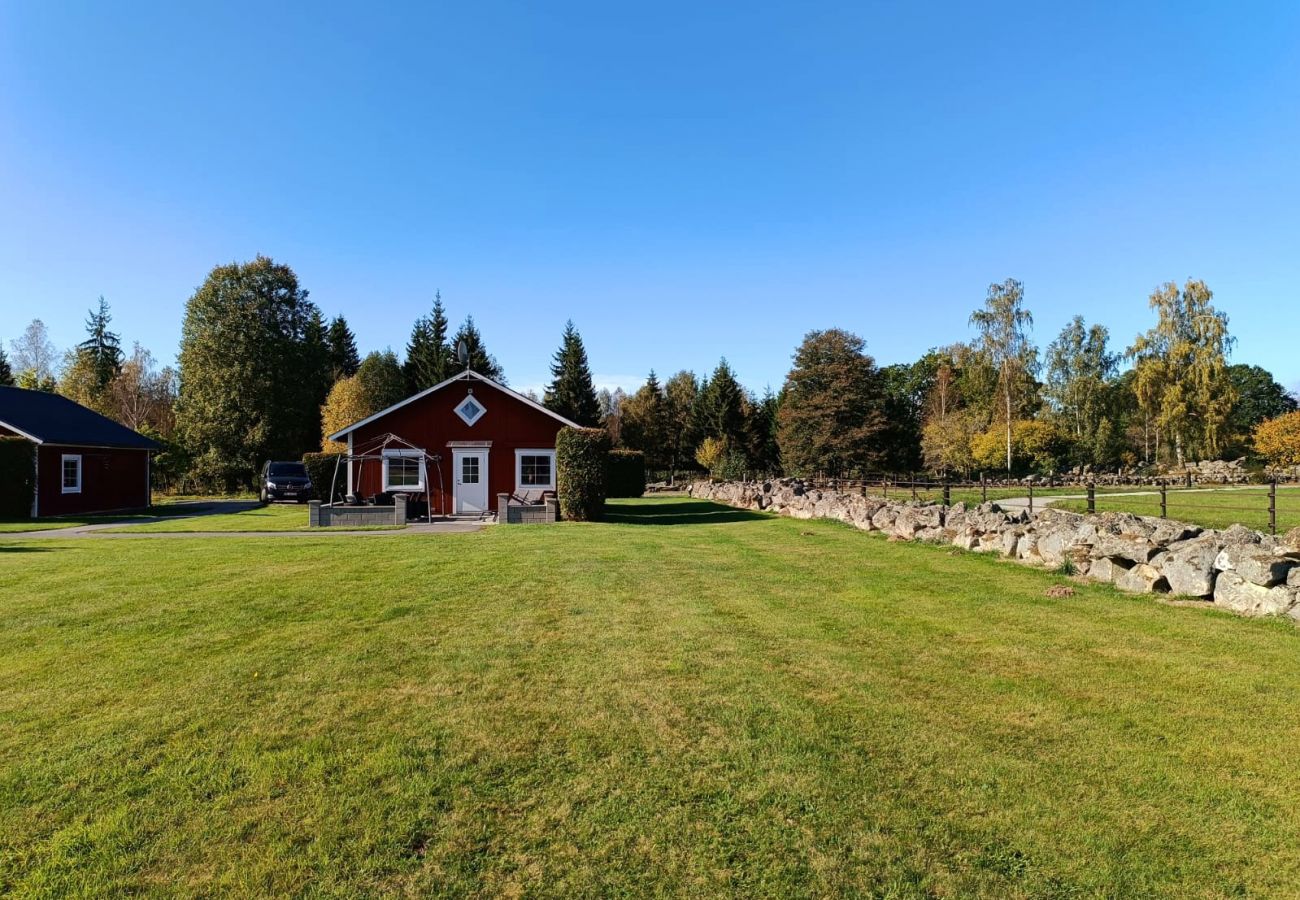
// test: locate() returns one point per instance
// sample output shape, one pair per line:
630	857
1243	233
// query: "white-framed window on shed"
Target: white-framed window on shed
403	470
71	473
535	470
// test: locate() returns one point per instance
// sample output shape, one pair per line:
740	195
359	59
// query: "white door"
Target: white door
471	480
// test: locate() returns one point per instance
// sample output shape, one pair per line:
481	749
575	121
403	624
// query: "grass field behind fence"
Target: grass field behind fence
1209	508
687	700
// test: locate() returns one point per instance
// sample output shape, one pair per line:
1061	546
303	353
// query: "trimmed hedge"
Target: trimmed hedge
624	473
320	469
17	477
580	466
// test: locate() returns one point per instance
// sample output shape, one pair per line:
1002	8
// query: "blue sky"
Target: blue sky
684	180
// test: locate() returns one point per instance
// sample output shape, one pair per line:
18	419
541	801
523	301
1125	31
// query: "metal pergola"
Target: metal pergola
380	448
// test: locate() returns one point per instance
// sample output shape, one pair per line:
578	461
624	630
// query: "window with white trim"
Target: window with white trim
403	470
71	473
535	470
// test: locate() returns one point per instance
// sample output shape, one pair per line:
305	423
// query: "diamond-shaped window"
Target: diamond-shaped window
470	410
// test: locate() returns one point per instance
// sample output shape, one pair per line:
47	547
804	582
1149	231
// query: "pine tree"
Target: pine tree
6	374
480	360
429	359
344	358
571	393
645	423
102	348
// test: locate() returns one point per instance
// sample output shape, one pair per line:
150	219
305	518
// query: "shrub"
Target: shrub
1038	447
1278	440
580	455
625	473
17	477
320	469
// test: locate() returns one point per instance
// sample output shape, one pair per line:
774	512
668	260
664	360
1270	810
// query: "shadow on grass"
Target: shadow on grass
19	548
682	512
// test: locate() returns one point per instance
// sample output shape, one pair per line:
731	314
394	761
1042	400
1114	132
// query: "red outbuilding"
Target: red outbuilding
462	442
85	462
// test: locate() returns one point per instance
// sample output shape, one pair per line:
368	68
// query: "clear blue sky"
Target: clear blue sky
684	180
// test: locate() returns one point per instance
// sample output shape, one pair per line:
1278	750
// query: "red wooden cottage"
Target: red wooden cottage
85	462
462	442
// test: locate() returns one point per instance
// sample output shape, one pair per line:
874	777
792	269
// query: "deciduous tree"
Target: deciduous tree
33	357
1181	379
1278	440
832	413
1003	326
243	398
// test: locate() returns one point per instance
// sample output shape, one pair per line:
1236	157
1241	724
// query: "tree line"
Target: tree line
263	374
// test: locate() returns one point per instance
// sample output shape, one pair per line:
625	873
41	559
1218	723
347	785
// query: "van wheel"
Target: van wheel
266	498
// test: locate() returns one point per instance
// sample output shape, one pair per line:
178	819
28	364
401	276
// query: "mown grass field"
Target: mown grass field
687	700
163	507
1214	508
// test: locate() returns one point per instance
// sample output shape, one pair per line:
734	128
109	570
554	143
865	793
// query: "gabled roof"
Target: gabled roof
467	375
54	419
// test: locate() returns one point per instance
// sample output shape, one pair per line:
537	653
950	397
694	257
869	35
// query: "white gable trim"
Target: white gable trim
18	431
463	376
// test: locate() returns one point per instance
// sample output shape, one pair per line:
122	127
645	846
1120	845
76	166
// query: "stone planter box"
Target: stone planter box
545	513
329	515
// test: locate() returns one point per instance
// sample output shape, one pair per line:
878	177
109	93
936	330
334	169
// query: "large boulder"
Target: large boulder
1108	570
1189	565
1255	564
1233	592
1143	579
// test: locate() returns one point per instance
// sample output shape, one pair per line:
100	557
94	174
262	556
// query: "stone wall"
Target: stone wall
1237	569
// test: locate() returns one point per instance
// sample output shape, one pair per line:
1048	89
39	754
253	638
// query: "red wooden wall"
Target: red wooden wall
430	422
111	479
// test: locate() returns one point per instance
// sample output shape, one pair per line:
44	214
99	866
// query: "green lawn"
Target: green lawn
690	700
1210	508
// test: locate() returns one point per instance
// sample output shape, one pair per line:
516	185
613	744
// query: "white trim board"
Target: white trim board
464	376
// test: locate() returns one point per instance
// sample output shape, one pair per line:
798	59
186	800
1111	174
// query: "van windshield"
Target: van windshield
288	470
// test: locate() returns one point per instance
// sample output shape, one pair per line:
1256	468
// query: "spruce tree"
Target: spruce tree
571	393
317	363
480	360
102	348
344	358
429	358
720	410
6	374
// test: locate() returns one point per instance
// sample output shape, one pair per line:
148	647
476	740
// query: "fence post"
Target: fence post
1031	498
1164	500
912	478
984	489
885	482
947	494
1092	498
1272	506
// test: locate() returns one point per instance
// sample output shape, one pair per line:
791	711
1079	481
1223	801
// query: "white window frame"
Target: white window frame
477	402
63	481
405	454
519	469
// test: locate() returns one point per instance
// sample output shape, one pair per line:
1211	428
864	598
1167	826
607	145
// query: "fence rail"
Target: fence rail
1256	506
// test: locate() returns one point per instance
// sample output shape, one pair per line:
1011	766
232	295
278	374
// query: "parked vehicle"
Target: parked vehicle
285	481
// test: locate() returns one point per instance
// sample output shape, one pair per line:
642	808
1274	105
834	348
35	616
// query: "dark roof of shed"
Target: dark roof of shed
53	419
